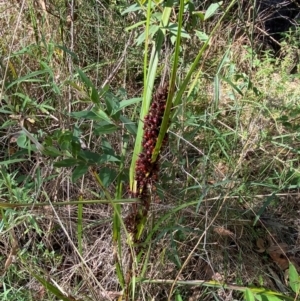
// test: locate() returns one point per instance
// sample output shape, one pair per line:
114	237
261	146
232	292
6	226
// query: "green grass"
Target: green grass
73	100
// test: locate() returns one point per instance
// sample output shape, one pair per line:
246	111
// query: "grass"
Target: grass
74	95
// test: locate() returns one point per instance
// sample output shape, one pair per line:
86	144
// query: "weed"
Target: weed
96	203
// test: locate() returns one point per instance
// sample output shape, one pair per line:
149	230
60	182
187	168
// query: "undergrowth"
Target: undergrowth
149	151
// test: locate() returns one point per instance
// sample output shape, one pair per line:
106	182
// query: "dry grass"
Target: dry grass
216	240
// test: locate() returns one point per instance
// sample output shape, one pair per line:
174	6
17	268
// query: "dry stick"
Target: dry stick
268	35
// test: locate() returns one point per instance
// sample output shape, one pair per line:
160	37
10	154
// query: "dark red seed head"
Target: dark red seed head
154	105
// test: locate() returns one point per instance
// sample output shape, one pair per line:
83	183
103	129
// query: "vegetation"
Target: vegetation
150	151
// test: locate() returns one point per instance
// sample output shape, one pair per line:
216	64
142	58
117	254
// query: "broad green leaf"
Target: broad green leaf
150	73
22	141
103	116
153	29
212	10
52	151
107	176
140	39
173	28
86	115
202	35
171	88
44	108
199	14
79	171
294	279
112	103
92	115
76	146
105	128
178	297
90	157
66	163
109	158
112	106
65	140
249	296
129	102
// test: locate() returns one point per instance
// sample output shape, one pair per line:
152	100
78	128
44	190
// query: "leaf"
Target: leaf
66	50
235	87
103	116
129	125
92	115
249	296
53	289
129	102
199	14
109	158
267	297
112	106
107	176
294	279
85	114
66	163
28	78
52	151
131	8
79	171
105	128
140	39
90	157
135	25
94	96
173	28
5	111
111	103
201	35
212	10
153	29
22	141
264	206
178	297
11	161
120	276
